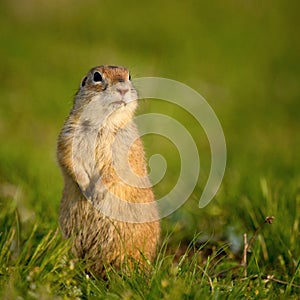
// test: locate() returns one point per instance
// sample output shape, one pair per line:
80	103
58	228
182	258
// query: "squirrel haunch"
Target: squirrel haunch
102	161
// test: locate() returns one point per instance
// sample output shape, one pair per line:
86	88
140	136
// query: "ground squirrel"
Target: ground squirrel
103	165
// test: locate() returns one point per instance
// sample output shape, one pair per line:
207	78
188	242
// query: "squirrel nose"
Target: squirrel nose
122	91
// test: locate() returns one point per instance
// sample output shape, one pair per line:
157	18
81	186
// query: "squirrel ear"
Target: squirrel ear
83	82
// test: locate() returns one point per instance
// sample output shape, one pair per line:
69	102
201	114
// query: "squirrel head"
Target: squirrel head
106	96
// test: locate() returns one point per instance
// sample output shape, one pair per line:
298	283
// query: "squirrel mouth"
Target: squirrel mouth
121	102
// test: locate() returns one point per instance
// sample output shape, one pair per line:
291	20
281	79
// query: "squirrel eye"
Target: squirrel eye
97	77
83	82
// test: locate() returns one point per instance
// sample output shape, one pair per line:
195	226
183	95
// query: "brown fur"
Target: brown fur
91	145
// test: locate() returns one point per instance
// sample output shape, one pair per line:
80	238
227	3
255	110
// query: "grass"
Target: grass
244	58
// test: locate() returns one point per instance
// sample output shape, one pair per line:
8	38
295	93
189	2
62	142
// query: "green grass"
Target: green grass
243	57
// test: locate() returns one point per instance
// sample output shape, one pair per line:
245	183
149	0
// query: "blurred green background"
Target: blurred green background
242	56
